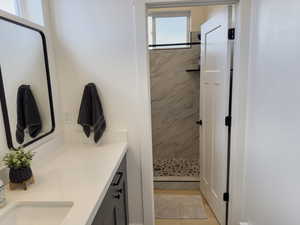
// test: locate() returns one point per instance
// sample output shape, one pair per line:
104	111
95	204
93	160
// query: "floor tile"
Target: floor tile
167	222
211	218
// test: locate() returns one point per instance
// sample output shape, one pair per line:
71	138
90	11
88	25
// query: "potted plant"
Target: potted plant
18	161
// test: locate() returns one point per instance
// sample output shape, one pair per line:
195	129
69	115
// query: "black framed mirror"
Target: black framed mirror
25	84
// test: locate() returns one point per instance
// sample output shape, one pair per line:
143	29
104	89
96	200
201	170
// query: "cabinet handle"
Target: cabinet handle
118	196
120	191
117	182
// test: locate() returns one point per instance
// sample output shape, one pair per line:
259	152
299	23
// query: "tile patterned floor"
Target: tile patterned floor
176	167
211	218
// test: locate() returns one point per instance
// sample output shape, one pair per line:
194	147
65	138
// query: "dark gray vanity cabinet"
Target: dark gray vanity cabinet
114	208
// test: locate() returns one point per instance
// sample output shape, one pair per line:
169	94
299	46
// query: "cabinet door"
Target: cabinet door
121	206
120	195
107	214
114	210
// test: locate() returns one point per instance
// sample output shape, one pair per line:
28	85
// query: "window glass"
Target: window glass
31	10
165	28
171	30
8	6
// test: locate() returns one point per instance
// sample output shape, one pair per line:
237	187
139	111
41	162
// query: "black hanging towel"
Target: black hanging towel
28	115
91	115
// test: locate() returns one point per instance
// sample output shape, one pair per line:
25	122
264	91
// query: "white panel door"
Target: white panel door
214	97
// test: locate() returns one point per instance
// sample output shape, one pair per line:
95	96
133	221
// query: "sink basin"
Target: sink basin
35	213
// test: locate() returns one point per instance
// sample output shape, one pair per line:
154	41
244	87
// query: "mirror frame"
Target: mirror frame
3	98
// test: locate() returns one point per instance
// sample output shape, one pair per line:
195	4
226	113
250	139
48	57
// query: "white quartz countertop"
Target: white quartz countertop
81	175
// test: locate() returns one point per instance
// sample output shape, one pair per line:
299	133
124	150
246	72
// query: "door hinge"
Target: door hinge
228	121
199	122
226	197
231	34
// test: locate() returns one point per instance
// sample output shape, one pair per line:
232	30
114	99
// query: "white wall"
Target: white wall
178	3
95	42
213	10
144	109
272	178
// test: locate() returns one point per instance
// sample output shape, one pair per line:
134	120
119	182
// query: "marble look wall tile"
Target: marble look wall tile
175	103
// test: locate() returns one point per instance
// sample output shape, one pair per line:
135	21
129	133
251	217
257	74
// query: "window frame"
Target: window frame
22	10
18	8
14	10
169	14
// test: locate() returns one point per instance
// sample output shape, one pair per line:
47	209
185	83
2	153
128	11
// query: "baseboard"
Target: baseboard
179	185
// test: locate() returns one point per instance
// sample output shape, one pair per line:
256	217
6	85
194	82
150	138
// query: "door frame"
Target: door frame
239	102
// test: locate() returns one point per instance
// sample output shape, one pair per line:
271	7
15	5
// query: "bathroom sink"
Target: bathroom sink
35	213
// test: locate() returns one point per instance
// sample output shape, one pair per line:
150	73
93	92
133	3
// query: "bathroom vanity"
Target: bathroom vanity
91	180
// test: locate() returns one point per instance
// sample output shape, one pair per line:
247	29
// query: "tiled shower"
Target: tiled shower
175	110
